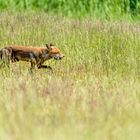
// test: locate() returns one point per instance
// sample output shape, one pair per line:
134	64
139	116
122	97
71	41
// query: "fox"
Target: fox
35	55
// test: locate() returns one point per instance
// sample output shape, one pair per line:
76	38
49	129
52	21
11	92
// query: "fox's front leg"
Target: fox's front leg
41	66
44	66
33	64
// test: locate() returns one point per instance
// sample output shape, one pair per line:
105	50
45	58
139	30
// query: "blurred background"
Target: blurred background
104	9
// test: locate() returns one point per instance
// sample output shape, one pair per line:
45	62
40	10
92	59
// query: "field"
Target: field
94	92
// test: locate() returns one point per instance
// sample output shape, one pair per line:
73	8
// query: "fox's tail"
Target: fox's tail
0	54
5	56
1	60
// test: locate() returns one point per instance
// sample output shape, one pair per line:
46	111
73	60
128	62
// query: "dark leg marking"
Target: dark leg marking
45	67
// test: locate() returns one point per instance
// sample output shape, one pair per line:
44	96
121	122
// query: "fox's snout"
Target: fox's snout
62	56
58	57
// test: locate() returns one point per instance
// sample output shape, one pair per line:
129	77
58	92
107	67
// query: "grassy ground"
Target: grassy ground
94	92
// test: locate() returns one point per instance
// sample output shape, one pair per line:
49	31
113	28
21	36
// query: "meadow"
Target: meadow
94	92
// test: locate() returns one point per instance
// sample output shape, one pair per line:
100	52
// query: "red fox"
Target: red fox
35	55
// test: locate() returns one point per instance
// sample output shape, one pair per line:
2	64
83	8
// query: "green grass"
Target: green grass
94	92
101	9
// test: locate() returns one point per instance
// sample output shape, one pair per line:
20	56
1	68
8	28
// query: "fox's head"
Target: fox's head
54	52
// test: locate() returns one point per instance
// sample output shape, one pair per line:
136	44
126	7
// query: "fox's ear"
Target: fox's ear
51	44
48	46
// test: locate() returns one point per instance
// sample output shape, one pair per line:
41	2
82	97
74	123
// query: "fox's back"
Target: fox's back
25	49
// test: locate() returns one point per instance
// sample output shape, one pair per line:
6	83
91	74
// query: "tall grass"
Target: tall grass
104	9
93	92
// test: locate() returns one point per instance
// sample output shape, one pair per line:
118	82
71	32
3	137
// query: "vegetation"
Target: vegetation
94	92
104	9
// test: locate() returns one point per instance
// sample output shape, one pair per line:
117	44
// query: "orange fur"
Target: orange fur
36	55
